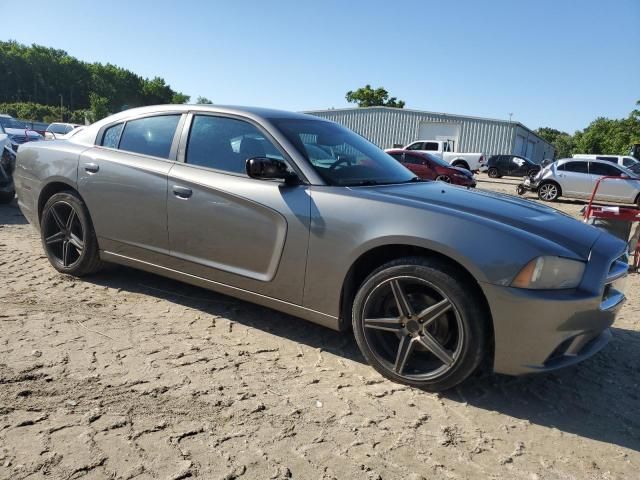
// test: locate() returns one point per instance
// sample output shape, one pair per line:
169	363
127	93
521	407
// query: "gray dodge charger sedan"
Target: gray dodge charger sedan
304	216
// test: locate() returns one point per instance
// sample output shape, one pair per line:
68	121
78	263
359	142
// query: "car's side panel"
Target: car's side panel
575	184
337	240
39	164
127	198
239	231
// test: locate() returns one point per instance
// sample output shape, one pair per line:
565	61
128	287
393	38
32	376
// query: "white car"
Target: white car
471	161
18	132
58	130
577	177
624	160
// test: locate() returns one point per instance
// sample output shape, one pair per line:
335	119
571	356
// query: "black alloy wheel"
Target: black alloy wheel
419	324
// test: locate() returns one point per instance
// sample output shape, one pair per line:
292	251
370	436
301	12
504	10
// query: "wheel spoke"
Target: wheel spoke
430	314
387	324
404	352
71	218
65	253
56	218
55	238
77	243
404	307
430	343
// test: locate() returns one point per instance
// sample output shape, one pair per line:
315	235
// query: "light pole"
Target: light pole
61	108
510	115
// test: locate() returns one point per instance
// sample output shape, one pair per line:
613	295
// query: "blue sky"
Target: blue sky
552	63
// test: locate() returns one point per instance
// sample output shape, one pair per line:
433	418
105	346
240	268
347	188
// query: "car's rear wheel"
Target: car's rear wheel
6	197
417	321
548	191
443	178
493	173
67	235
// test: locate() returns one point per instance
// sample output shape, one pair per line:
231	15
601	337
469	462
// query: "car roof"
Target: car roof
585	159
255	113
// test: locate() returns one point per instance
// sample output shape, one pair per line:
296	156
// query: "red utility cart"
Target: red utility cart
619	214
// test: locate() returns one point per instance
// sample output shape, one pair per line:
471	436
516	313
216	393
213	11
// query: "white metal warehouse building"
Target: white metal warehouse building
388	127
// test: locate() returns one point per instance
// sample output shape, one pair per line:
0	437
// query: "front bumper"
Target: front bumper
542	330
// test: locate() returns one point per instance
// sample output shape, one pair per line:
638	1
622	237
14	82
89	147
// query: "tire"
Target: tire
520	190
459	327
549	191
461	164
68	237
493	173
443	178
7	197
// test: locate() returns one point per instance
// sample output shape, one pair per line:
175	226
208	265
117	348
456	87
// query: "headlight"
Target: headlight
545	273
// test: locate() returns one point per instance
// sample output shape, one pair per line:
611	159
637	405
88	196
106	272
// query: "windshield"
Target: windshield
437	160
7	122
340	156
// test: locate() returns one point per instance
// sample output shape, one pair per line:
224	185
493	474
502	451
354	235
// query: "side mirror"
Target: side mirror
263	168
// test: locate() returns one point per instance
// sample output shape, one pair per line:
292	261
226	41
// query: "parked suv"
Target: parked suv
511	166
576	178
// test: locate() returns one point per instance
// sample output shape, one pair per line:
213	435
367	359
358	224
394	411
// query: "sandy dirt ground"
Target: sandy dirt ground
129	375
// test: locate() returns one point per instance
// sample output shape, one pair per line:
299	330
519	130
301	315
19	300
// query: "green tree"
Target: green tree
369	97
203	101
180	98
99	107
561	141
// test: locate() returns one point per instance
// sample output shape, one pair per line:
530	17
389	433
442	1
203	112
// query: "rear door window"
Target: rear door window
150	136
431	146
576	167
111	136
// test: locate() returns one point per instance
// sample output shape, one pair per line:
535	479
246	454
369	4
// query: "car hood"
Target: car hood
525	215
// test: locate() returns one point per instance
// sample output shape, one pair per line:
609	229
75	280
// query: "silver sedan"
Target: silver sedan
304	216
577	178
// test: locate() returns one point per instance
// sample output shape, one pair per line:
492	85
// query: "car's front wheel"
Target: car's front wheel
418	321
549	192
443	178
67	235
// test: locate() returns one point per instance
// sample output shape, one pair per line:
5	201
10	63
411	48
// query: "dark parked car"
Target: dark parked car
429	167
511	166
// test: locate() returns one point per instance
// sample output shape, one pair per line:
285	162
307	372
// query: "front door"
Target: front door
229	228
123	180
613	189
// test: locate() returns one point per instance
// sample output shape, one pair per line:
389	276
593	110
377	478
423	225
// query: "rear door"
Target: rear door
229	228
575	180
123	180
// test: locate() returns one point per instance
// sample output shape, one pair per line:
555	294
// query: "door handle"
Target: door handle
182	192
91	167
